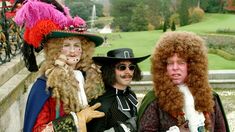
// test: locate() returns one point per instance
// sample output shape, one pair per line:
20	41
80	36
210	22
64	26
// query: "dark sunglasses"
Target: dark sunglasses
122	67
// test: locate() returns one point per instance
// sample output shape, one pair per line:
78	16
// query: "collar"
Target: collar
196	119
123	96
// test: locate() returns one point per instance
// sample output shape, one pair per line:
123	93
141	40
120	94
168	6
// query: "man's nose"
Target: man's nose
175	66
71	49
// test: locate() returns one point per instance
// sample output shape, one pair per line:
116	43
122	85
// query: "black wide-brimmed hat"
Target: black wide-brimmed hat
118	55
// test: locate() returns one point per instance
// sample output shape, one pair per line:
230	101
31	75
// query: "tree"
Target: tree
196	14
83	8
183	12
164	26
204	4
165	10
230	5
173	28
138	21
122	11
213	6
152	12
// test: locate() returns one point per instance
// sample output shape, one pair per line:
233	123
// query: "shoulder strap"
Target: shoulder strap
148	98
222	110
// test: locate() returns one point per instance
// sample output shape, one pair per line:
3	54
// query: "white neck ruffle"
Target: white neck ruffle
81	94
196	119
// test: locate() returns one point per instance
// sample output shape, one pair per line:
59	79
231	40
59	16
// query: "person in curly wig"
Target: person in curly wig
85	64
59	99
119	102
182	99
68	61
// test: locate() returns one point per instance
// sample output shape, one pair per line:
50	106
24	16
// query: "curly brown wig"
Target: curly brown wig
190	47
64	84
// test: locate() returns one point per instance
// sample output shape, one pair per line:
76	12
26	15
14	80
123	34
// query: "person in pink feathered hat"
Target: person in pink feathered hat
58	100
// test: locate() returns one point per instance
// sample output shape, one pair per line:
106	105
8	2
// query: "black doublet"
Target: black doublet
113	104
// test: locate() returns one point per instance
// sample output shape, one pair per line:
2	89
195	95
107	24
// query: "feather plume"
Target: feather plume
34	11
39	31
78	21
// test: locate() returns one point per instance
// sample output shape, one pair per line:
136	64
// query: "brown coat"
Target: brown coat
154	119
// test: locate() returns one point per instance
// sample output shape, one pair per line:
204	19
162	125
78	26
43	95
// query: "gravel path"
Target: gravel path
231	121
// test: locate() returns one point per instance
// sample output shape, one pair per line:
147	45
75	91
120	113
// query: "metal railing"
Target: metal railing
10	36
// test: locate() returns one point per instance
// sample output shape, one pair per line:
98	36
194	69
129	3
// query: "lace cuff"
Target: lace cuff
75	118
125	128
173	129
65	124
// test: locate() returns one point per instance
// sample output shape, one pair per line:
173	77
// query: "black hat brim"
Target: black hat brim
106	60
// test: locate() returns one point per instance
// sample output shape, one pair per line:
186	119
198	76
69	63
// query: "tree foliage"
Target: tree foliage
230	5
164	26
213	6
196	14
183	12
153	14
138	21
173	27
83	8
122	11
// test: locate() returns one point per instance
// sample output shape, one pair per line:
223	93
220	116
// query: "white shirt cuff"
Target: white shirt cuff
173	129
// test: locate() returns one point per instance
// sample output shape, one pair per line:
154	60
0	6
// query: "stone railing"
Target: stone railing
15	81
217	79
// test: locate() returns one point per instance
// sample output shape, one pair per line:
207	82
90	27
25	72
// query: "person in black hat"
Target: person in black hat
58	100
119	102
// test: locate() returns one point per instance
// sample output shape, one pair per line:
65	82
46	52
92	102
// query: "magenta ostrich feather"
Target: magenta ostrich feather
34	11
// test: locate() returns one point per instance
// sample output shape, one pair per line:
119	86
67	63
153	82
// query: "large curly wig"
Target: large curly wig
190	47
63	84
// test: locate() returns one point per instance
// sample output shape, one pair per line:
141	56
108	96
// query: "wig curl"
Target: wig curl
64	84
190	47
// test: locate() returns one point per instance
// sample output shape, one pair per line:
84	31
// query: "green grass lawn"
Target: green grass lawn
216	63
211	23
144	42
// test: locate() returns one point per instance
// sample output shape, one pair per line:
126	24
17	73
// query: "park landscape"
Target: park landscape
143	42
218	30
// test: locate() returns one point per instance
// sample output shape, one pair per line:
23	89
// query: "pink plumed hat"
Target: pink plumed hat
49	19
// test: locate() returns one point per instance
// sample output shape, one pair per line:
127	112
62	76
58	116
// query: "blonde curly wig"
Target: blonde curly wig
190	47
63	83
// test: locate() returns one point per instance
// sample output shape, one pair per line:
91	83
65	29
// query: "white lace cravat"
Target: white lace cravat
195	118
81	94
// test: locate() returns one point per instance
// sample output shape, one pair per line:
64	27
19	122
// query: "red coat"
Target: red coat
47	114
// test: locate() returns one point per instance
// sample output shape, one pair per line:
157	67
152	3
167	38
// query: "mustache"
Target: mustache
126	76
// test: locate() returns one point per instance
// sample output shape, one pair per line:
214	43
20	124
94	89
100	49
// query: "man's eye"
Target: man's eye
77	45
169	63
182	62
65	45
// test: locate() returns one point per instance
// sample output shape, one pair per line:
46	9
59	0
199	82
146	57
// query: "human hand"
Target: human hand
89	113
184	127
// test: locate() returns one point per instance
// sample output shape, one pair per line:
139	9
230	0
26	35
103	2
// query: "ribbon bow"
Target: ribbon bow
123	96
